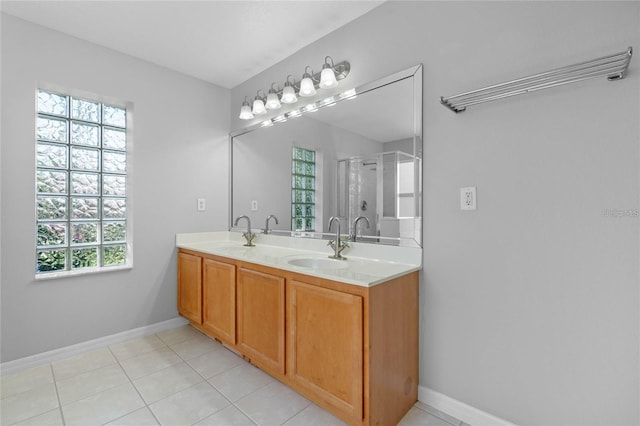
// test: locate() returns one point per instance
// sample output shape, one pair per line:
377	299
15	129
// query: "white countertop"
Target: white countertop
366	264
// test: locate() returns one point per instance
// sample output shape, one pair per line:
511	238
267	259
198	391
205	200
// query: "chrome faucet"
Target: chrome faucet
355	226
266	229
249	236
338	244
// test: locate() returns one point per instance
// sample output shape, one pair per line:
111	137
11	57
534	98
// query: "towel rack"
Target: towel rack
614	67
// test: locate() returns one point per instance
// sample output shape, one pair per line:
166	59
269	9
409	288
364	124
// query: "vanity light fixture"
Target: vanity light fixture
328	78
349	94
258	104
307	88
272	99
310	108
245	110
289	93
330	101
328	75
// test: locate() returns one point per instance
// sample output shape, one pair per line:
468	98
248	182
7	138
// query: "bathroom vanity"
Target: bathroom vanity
342	333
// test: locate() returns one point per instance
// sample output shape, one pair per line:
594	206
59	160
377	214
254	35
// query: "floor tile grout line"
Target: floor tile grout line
33	417
130	381
164	345
205	381
58	408
250	393
94	392
55	385
184	361
182	341
245	413
217	390
137	391
147	353
244	396
83	371
247	362
305	407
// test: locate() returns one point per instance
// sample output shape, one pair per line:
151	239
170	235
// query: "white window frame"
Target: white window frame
69	270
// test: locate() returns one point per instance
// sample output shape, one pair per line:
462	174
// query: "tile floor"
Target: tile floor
176	377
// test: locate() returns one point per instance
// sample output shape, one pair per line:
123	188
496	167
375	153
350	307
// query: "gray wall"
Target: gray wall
180	153
529	306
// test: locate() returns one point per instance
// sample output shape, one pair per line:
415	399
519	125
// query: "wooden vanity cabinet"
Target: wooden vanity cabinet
190	287
260	328
219	299
325	347
352	350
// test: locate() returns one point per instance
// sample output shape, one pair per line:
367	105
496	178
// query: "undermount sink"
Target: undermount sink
318	263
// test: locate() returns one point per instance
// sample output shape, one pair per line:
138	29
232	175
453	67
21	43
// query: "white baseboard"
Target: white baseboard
15	366
459	410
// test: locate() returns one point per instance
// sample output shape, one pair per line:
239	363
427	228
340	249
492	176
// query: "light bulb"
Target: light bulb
288	94
306	87
245	112
272	100
327	77
258	107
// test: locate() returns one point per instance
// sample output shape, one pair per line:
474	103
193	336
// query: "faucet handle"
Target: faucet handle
344	243
249	237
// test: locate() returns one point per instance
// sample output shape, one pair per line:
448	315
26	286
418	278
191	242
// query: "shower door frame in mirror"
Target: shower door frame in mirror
412	226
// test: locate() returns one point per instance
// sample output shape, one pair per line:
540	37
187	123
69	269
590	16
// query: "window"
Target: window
81	184
303	183
406	200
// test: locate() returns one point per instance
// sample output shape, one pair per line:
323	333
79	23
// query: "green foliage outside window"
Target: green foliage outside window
303	182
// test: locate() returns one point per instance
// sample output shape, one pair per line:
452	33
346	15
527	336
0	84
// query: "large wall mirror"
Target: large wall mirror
357	154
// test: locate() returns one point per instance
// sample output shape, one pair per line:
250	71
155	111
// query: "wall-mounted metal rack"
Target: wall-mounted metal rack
614	67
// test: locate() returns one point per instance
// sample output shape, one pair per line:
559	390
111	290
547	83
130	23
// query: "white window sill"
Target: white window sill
81	272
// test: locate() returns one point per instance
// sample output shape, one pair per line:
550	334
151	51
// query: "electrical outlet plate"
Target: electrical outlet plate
254	205
201	204
468	198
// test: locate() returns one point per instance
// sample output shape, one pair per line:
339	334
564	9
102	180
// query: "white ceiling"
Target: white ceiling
222	42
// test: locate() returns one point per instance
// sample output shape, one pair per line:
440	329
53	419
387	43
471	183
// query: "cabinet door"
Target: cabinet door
190	287
326	345
261	319
219	300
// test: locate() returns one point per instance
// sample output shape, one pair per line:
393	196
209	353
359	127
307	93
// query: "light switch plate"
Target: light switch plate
468	198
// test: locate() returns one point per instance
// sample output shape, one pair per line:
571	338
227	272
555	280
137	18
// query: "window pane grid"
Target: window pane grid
302	189
80	184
